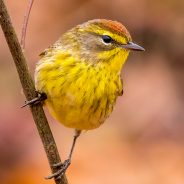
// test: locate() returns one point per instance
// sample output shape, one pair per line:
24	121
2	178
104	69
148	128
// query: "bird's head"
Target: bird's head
100	40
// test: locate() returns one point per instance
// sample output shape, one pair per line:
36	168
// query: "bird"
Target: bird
79	77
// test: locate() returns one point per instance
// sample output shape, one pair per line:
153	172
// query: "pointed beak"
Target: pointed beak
133	46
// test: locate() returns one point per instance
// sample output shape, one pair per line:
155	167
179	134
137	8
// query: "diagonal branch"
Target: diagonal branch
29	91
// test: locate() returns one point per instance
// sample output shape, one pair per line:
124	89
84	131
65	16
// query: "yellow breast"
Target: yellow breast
80	95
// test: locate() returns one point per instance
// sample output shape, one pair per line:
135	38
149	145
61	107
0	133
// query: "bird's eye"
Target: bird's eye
107	39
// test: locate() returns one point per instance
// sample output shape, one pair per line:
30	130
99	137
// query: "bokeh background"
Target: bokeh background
143	140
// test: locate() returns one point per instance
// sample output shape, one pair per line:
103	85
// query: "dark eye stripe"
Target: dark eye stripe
107	39
114	42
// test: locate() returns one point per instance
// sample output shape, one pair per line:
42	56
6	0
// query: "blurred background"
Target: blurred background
143	140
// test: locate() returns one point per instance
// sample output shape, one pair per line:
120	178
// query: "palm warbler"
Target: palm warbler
80	74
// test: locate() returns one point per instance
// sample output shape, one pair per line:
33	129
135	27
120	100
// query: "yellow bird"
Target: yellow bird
80	75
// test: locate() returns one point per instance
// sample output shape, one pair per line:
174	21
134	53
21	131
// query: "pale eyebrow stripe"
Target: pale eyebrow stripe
114	41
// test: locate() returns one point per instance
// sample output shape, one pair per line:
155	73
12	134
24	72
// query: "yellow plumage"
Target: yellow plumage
80	74
79	95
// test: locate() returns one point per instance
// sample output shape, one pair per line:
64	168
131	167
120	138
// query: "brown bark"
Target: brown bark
29	91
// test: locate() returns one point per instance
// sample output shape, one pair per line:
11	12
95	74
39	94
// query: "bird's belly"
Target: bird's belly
82	98
82	109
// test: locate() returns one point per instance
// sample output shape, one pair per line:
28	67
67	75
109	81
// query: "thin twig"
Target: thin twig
29	91
25	23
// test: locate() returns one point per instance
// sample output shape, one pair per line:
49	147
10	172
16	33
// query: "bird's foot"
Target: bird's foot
62	169
40	98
